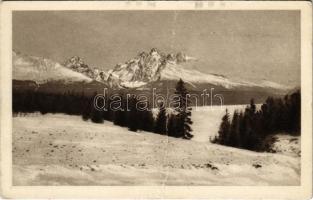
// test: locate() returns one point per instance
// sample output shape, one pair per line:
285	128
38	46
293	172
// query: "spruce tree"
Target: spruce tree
95	115
147	120
132	119
172	126
120	114
242	129
145	115
224	130
160	124
234	138
252	106
86	109
184	111
295	112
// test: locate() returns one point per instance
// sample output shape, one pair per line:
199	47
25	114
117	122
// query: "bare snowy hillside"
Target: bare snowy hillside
42	70
64	150
207	119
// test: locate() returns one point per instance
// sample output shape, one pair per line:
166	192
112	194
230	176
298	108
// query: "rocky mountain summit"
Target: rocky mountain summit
144	68
77	64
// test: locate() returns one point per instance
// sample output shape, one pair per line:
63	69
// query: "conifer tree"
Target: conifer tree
295	110
242	128
145	116
96	116
252	106
224	130
234	138
86	109
160	124
184	111
120	114
172	126
132	119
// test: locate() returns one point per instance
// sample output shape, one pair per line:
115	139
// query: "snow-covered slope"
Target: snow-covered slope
270	84
42	70
207	119
175	72
287	144
64	150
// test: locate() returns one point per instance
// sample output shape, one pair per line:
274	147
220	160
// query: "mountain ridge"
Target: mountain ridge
156	65
43	70
139	72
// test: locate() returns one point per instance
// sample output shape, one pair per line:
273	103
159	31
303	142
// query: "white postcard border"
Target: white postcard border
247	192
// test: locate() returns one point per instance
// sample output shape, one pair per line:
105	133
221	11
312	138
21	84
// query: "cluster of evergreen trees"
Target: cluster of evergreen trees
127	115
30	101
178	123
250	129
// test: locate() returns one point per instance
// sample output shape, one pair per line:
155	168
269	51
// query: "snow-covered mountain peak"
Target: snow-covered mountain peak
77	64
156	65
144	68
154	52
42	70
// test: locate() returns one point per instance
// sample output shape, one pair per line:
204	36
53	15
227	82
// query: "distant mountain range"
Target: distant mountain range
143	72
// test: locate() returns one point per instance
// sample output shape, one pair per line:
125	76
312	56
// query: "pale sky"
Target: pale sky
247	45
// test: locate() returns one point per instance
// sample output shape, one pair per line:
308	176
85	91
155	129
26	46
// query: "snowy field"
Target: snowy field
64	150
207	119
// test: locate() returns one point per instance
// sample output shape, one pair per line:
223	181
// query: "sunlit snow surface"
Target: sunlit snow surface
43	70
65	150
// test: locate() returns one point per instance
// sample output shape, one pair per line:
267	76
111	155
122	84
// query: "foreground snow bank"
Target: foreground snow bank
64	150
287	144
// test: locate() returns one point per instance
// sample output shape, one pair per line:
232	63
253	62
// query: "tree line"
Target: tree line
174	124
249	129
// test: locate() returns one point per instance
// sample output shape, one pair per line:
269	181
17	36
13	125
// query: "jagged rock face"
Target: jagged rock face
145	68
77	64
157	66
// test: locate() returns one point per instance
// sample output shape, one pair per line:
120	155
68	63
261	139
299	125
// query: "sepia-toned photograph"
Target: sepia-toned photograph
158	97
